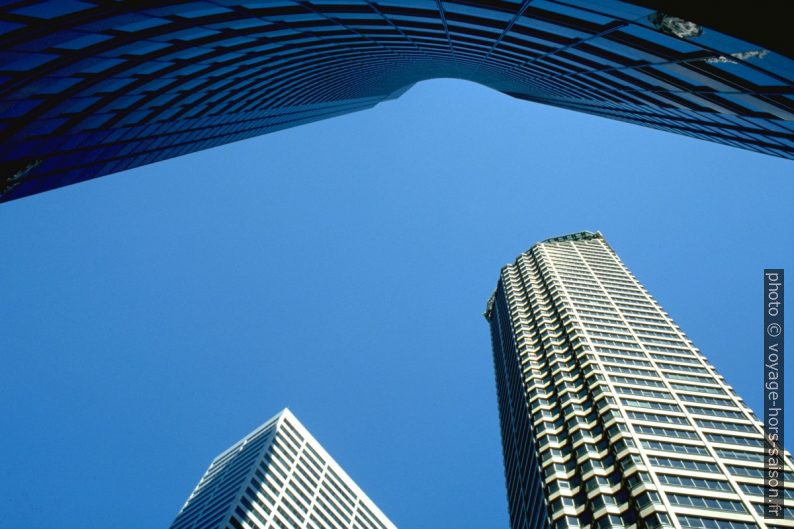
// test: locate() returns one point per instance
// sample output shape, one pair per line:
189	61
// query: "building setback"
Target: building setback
91	87
610	417
278	477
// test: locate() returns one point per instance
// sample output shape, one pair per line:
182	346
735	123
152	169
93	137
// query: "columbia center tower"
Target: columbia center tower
609	414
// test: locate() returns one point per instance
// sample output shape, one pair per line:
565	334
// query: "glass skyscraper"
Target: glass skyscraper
92	87
278	477
610	416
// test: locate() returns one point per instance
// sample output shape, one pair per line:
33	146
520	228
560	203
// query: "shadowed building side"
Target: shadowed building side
526	503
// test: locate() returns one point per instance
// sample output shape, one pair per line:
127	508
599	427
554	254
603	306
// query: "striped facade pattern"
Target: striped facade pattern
610	416
278	477
93	87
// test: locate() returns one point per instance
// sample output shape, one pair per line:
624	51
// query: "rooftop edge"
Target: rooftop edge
576	236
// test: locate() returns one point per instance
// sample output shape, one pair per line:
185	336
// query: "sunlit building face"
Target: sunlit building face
610	416
278	477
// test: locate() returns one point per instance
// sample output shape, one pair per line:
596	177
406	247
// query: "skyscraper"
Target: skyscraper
278	477
91	87
609	414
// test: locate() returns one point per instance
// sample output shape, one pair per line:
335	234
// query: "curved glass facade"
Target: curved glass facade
91	87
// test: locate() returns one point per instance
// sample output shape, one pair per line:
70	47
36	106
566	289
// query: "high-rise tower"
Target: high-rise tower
610	416
278	477
93	87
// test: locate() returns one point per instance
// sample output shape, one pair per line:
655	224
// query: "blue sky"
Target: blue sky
151	318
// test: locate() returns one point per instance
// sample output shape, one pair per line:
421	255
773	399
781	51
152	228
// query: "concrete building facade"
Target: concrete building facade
610	416
278	477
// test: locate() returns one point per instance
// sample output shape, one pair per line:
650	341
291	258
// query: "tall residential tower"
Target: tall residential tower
278	477
610	416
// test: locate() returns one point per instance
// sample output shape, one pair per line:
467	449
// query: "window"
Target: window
749	472
758	490
724	401
735	439
728	453
655	417
643	392
701	502
687	464
699	522
650	404
694	483
732	414
699	389
674	447
665	432
720	425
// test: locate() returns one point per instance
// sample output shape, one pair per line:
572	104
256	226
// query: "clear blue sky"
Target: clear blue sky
151	318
